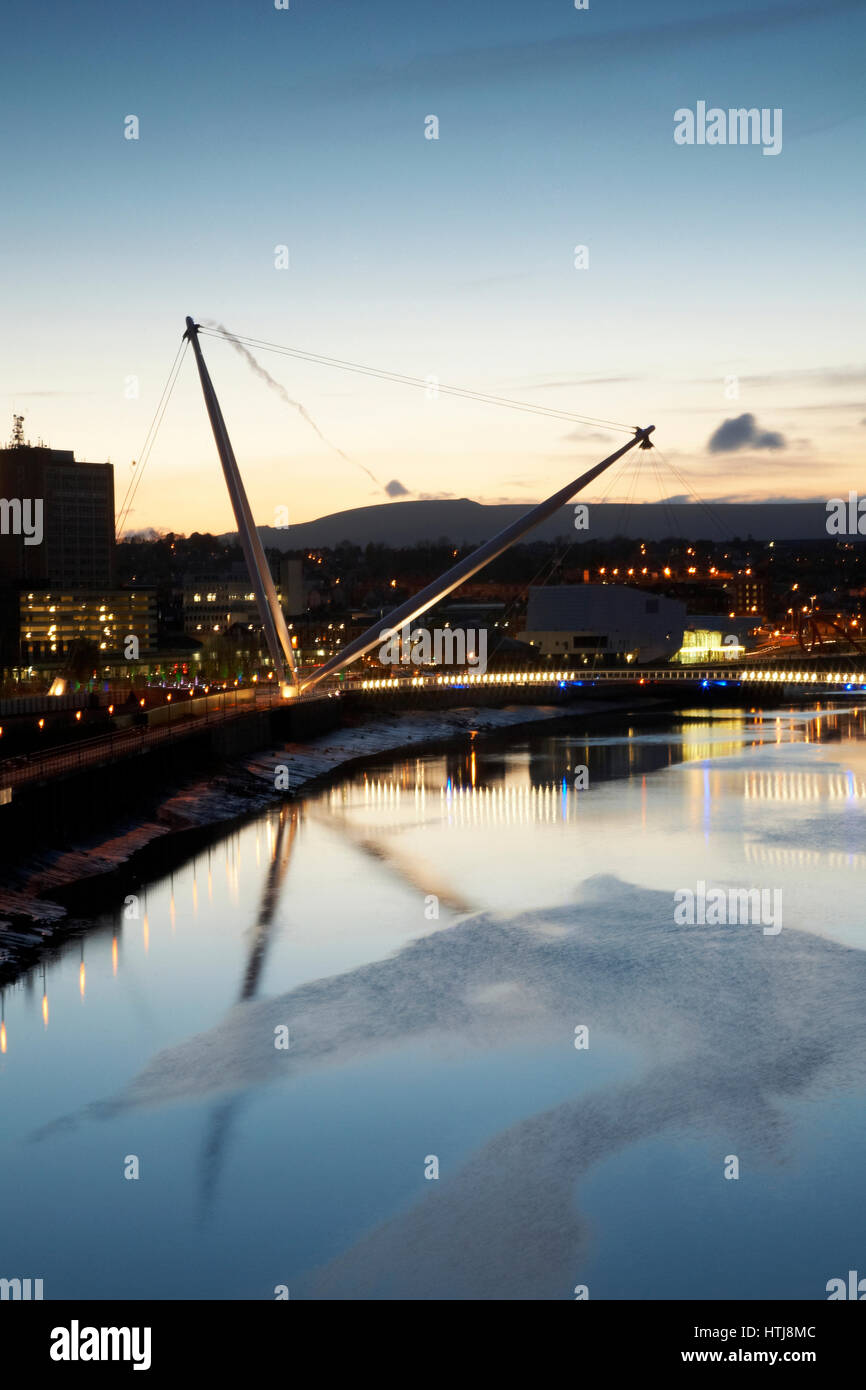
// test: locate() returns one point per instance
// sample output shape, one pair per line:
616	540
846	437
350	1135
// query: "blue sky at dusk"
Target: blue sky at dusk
451	257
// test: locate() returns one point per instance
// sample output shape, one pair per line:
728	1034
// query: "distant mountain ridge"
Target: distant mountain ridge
464	522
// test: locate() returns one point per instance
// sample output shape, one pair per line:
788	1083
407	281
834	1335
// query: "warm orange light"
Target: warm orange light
81	978
45	1009
111	709
78	714
2	1037
41	723
114	955
146	934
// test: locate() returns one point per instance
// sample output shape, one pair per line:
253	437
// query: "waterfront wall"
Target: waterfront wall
49	812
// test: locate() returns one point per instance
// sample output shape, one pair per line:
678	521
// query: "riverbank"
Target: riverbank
41	899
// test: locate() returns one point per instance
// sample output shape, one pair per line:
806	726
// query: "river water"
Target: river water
435	1031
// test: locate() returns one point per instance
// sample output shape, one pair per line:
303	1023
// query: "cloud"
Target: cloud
396	489
741	432
821	376
582	436
580	381
561	53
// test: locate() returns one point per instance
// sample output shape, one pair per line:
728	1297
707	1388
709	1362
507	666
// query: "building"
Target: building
73	502
55	624
218	605
220	600
59	601
751	593
289	579
603	623
710	638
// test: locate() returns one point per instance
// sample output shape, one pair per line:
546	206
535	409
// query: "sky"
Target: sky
720	300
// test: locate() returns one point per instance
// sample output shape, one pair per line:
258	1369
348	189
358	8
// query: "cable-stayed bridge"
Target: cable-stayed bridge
782	677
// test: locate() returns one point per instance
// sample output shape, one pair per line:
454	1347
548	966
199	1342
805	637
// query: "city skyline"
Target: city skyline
451	258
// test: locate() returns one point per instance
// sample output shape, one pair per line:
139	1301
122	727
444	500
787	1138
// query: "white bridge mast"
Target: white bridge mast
273	620
464	569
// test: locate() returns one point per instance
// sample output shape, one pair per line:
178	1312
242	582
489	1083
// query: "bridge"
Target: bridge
756	676
159	726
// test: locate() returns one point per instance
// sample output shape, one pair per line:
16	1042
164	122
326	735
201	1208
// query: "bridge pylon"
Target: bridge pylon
273	620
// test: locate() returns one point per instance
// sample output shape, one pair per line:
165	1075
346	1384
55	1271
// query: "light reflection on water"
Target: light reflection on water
154	1034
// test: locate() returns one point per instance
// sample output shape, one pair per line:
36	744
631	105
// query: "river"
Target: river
434	1031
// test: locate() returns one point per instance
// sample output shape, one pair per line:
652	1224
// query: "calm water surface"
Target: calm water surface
416	1037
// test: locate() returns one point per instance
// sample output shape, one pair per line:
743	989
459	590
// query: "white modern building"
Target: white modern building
601	622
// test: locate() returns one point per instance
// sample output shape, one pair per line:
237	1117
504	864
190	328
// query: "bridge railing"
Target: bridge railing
844	678
175	721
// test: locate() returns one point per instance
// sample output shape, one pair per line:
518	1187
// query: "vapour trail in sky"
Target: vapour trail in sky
281	391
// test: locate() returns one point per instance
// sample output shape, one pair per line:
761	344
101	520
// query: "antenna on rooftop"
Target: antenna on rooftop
17	441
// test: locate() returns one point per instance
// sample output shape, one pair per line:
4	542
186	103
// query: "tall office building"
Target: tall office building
56	517
57	568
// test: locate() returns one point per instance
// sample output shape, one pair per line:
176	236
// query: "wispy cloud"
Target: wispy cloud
818	376
562	52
